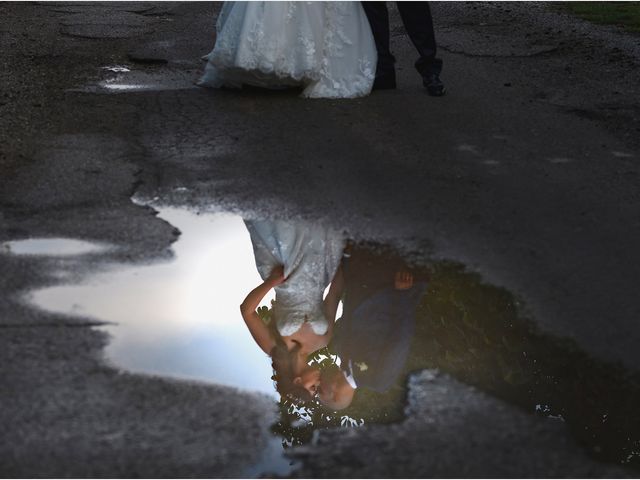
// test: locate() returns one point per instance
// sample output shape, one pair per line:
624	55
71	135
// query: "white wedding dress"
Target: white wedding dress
310	255
325	47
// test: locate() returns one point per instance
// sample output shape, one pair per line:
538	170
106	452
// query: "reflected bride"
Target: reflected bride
298	261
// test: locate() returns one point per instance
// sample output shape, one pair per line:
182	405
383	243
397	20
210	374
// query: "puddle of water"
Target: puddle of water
125	87
272	463
117	68
181	318
52	247
127	80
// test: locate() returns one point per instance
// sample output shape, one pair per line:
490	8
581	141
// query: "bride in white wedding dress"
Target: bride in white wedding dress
299	260
325	47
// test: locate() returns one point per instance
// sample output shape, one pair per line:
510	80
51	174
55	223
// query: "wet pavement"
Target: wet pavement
516	194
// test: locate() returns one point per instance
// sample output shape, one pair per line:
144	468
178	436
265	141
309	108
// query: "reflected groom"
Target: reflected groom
416	17
373	337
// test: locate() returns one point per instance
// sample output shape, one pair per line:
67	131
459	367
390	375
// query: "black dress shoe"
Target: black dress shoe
434	85
385	80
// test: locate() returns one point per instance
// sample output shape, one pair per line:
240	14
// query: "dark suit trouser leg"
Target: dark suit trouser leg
418	23
378	17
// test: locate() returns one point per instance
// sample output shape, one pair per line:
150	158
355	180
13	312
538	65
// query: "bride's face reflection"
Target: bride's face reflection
309	379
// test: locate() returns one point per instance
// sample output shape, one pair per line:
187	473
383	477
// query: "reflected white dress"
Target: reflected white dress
326	47
310	255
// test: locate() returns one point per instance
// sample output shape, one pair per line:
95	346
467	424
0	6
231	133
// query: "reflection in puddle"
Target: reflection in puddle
272	463
181	318
473	331
53	247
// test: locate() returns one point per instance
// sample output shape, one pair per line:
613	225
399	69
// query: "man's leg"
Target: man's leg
378	17
417	20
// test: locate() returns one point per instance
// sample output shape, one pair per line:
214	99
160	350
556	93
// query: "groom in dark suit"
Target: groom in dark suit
374	334
416	17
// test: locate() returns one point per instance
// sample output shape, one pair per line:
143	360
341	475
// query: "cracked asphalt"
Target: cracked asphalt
527	172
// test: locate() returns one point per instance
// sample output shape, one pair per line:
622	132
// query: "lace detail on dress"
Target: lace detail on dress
327	47
336	82
290	320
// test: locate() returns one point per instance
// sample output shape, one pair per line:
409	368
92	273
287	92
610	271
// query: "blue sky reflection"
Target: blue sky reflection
181	317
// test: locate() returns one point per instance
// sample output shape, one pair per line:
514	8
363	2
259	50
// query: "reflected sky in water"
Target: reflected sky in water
180	317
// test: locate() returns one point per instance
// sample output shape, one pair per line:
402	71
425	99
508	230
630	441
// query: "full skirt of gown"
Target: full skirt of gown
325	47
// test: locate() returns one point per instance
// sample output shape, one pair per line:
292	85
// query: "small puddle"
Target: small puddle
52	247
181	318
123	79
127	87
117	68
